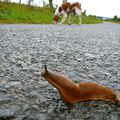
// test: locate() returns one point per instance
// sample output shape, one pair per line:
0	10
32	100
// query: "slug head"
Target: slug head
45	71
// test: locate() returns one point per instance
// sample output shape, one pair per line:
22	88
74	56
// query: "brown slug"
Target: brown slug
71	92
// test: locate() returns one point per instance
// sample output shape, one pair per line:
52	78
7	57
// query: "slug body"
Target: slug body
71	92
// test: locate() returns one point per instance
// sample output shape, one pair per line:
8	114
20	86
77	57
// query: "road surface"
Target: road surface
83	53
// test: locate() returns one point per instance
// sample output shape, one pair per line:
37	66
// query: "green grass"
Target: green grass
91	20
16	13
114	21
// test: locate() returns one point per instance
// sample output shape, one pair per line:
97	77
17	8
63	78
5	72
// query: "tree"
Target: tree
84	13
44	3
64	1
6	0
20	1
51	3
29	2
115	17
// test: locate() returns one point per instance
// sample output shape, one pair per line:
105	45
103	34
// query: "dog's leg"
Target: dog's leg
74	19
69	16
64	18
78	13
80	19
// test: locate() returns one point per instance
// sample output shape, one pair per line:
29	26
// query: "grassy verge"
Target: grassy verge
90	20
16	13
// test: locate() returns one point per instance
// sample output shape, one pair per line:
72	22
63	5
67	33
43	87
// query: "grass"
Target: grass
91	20
17	13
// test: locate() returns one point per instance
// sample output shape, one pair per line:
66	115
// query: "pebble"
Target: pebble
113	117
42	117
90	56
32	94
37	73
4	100
15	84
6	114
20	63
9	85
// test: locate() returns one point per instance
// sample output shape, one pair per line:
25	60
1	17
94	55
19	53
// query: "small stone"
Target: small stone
20	63
12	85
6	86
79	60
118	109
3	90
69	117
37	73
90	76
89	56
25	68
72	111
43	84
78	115
62	116
6	114
50	110
15	84
113	117
32	94
42	117
99	116
4	100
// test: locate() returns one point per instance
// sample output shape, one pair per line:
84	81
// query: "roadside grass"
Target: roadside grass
112	21
20	13
117	22
90	20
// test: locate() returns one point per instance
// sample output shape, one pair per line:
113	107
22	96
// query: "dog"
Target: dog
65	10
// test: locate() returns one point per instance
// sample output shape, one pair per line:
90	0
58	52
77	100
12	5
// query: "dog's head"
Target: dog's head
56	18
57	14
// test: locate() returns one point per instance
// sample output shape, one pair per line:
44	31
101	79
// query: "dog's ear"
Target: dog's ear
60	9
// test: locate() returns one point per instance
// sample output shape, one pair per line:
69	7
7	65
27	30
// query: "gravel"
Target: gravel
84	53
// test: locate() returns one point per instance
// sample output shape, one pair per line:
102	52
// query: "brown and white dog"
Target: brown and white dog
66	9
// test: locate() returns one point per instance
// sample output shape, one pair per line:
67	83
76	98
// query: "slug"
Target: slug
71	92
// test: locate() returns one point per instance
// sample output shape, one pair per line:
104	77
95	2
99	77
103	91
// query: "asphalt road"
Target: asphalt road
83	53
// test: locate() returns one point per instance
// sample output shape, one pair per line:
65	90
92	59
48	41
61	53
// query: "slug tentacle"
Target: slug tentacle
45	66
72	92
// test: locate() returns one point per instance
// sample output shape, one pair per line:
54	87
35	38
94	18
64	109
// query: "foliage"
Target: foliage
116	18
20	13
84	13
51	3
